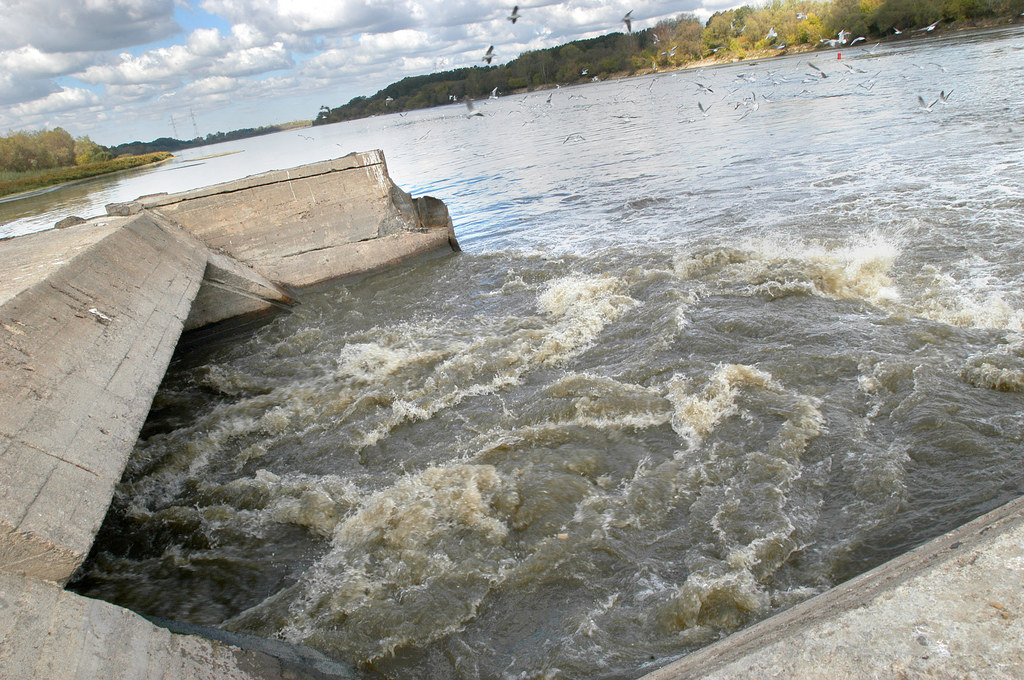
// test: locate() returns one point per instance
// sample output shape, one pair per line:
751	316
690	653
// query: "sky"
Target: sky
134	70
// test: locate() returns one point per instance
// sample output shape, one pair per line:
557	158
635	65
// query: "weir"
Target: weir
89	318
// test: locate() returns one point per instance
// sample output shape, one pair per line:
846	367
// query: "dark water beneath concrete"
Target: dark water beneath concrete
688	372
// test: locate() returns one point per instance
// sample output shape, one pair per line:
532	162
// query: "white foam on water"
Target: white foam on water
408	566
775	266
695	415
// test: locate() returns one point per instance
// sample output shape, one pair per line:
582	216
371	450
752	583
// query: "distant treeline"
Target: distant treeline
37	152
732	34
172	145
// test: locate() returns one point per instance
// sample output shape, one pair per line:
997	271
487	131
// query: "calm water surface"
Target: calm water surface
689	371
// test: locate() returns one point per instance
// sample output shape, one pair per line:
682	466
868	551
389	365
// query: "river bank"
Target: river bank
54	178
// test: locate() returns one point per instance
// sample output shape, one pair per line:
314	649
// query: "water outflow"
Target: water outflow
658	398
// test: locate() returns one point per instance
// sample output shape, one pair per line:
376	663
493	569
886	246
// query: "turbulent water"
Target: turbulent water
688	371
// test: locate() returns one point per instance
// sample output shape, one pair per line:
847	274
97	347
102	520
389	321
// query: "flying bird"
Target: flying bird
820	72
800	15
930	28
703	110
944	96
470	111
515	14
771	34
628	20
923	106
489	55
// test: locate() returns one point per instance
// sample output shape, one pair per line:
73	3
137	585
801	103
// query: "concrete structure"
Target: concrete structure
952	608
90	315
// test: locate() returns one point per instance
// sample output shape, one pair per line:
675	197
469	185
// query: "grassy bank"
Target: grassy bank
13	183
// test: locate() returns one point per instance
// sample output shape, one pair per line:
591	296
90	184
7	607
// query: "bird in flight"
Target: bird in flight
489	55
703	110
470	111
923	106
628	20
930	28
771	34
515	14
944	96
800	15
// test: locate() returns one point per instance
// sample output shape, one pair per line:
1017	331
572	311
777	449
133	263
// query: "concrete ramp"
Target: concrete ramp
88	323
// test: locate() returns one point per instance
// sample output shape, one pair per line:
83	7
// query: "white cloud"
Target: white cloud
158	65
92	25
253	61
15	90
64	100
30	62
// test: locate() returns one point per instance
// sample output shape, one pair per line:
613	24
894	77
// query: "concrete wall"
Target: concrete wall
90	315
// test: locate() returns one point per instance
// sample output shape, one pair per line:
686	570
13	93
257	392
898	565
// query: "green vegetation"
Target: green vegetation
12	182
764	30
34	160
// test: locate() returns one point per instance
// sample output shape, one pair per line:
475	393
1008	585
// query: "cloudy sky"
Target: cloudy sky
125	70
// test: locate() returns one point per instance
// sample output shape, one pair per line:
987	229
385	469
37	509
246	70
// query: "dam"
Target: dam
90	316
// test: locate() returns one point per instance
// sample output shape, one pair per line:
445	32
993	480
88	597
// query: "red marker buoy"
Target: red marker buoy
839	55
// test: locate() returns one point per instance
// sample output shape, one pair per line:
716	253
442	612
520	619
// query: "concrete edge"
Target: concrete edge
853	594
352	161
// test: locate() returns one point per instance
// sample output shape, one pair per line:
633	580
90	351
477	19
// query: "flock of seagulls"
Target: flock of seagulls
752	103
514	16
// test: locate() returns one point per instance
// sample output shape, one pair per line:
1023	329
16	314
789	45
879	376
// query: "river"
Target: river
691	368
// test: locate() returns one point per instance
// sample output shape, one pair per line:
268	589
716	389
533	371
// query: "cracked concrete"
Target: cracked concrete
90	315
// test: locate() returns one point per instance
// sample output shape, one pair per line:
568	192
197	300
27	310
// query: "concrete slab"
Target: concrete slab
952	608
86	338
47	633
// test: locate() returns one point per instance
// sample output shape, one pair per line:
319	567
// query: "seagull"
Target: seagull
389	100
703	110
574	137
925	107
822	73
515	14
944	96
494	94
930	28
628	20
490	54
470	111
857	40
771	34
704	88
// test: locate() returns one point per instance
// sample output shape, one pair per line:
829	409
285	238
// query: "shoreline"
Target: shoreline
11	190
